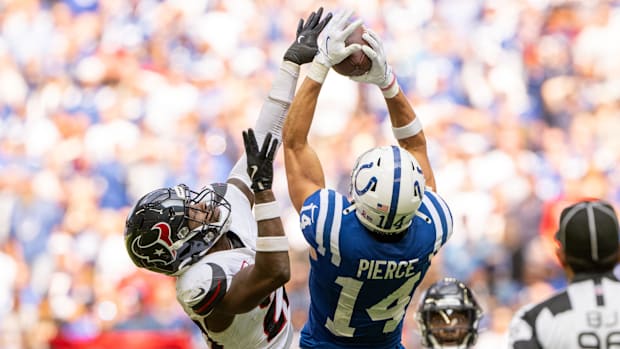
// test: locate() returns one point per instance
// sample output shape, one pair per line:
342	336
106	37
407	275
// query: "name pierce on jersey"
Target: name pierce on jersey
385	270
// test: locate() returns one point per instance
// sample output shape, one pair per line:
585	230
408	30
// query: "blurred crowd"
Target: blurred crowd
102	101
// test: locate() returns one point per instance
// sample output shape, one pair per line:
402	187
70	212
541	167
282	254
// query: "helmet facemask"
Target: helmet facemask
448	316
449	328
387	187
170	229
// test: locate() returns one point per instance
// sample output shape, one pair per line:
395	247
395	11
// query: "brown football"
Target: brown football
357	63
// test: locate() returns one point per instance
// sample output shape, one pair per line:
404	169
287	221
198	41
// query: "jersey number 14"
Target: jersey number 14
391	308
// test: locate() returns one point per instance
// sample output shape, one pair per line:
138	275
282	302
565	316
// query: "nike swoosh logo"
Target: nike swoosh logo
254	169
299	39
200	294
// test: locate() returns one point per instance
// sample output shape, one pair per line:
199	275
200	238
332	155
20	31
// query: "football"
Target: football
357	63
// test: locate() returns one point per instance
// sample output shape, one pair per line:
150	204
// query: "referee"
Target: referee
587	313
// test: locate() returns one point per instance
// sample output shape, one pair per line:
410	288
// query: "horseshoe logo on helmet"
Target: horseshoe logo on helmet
372	182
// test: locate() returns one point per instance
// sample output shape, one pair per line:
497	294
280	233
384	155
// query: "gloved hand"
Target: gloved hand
260	162
305	46
380	73
332	49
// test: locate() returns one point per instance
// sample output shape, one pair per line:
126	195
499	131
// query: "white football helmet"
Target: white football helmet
387	186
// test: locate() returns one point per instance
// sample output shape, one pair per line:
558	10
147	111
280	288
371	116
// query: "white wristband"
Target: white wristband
409	130
318	72
272	244
267	210
392	89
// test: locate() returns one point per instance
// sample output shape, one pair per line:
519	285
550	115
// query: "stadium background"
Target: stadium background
102	101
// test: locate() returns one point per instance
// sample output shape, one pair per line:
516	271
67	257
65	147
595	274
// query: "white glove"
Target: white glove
332	47
380	73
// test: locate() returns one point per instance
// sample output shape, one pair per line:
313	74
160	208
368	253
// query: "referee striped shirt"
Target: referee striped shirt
585	315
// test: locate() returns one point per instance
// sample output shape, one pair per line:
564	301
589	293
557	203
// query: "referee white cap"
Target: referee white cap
589	233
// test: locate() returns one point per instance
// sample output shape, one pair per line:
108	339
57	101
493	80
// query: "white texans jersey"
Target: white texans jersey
204	284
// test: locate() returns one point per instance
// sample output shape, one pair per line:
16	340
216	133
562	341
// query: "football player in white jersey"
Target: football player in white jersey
230	264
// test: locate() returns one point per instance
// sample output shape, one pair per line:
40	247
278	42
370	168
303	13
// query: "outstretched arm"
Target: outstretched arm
275	108
271	269
303	168
405	124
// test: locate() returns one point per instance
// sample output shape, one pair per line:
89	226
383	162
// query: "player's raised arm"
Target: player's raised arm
357	245
303	168
406	125
275	108
272	268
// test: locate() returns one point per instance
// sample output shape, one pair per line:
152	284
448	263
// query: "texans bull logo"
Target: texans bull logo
156	246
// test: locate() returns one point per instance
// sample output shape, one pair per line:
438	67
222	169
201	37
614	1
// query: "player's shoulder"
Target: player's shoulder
231	191
436	209
524	310
324	194
323	210
555	304
533	321
521	327
433	201
202	286
324	199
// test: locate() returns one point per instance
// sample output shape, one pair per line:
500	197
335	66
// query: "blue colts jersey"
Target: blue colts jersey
360	287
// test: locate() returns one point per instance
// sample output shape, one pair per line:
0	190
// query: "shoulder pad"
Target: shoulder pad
206	296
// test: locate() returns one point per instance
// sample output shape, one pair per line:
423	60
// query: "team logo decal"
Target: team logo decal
156	246
370	185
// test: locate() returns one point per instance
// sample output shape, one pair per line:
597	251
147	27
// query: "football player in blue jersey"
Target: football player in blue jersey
368	254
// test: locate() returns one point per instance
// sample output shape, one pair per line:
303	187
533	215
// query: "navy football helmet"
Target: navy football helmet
448	315
170	229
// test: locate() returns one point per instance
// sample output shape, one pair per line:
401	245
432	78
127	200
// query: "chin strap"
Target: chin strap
435	345
352	208
423	216
349	209
189	261
179	243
